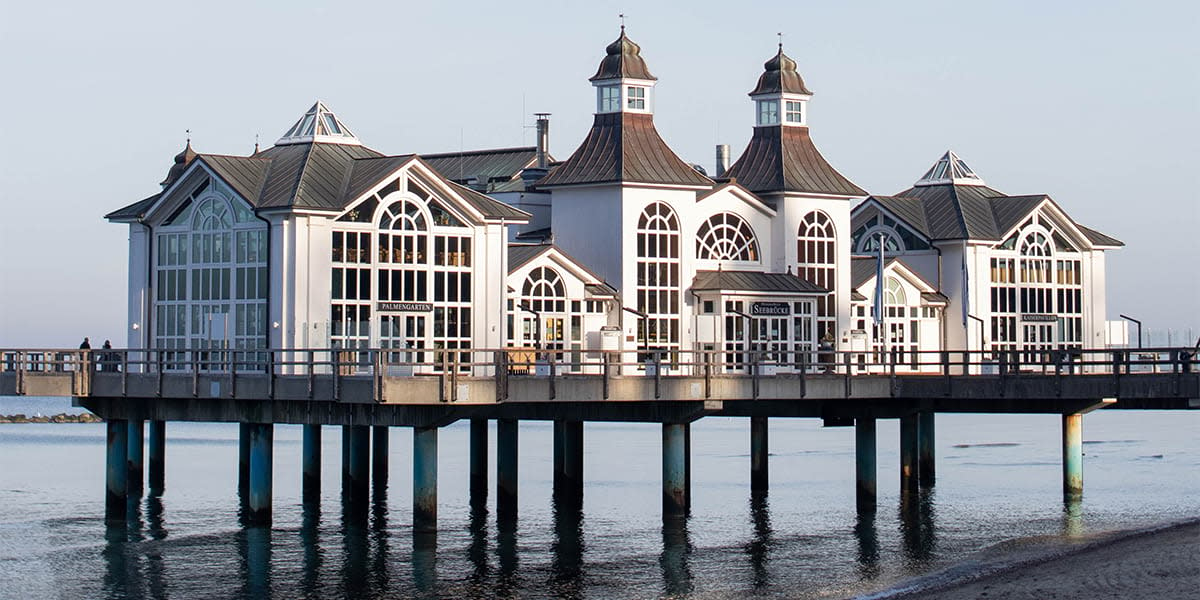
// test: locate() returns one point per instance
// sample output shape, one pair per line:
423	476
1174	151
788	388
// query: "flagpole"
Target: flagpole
880	308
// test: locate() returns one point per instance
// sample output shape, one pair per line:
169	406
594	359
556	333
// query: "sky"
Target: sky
1096	104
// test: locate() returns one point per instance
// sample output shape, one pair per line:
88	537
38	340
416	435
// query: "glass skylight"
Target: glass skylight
319	124
950	169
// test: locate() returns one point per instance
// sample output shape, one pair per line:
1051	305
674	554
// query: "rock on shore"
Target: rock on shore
86	417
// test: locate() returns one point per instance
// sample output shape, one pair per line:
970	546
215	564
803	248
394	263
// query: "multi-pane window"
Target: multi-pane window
608	98
768	112
658	278
794	111
726	236
636	97
816	261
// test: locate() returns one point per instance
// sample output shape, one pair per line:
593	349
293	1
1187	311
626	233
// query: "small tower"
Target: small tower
319	125
182	160
949	170
780	97
623	82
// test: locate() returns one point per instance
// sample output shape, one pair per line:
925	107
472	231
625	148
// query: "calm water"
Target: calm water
998	478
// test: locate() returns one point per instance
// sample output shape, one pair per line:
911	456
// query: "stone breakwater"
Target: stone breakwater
59	418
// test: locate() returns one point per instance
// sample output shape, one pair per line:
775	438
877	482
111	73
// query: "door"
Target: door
1038	340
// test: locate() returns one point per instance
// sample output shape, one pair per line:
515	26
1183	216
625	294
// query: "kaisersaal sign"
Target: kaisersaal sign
770	309
1039	318
405	307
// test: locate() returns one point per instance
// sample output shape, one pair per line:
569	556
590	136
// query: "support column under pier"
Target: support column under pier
116	471
864	464
262	437
310	475
479	462
157	458
568	461
674	468
925	452
909	432
357	484
244	459
135	460
380	436
425	467
1072	437
759	450
506	468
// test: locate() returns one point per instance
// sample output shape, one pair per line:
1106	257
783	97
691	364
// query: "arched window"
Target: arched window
403	237
658	277
893	293
816	261
869	242
212	214
1035	253
544	291
726	236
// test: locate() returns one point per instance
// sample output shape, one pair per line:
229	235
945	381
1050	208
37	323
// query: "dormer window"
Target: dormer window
609	98
794	112
636	99
768	112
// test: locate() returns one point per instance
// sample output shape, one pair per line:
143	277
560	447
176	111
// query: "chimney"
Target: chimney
543	139
722	159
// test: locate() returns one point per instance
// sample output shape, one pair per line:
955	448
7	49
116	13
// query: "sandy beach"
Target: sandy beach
1159	563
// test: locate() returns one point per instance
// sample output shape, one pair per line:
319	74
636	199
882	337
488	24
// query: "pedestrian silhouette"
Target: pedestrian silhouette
86	345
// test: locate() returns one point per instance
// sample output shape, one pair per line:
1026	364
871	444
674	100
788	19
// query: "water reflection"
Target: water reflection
424	563
380	536
917	524
1072	516
507	584
676	570
760	546
310	542
868	544
116	571
254	549
477	551
355	583
567	564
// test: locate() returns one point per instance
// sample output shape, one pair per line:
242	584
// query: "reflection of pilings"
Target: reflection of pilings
135	463
1072	516
506	551
258	559
868	543
759	450
687	465
916	523
759	548
568	550
479	461
425	455
243	459
310	545
358	474
424	562
1072	439
677	573
355	580
865	463
157	457
379	456
262	437
568	461
310	476
674	465
909	431
116	471
506	468
925	452
116	576
477	552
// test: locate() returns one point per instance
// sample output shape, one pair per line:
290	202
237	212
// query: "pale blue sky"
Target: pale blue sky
1094	103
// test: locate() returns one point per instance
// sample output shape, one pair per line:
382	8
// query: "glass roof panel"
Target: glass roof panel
319	124
950	169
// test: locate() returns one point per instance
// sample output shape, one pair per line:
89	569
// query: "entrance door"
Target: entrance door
1038	340
771	338
406	333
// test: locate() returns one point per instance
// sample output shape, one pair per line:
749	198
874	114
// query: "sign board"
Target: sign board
770	309
405	307
1040	318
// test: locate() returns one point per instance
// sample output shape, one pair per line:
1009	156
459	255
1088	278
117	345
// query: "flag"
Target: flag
878	308
966	290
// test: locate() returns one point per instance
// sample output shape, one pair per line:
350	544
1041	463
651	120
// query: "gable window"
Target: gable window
726	236
609	99
794	112
768	112
637	97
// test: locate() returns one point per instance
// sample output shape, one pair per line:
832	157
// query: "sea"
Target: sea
998	479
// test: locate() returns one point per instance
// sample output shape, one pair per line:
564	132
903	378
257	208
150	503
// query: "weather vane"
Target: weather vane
780	34
189	135
622	17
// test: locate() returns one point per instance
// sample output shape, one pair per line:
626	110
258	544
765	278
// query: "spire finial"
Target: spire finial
256	143
189	136
780	34
622	17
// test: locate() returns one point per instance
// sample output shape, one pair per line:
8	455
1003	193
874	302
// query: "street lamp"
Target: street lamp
1139	326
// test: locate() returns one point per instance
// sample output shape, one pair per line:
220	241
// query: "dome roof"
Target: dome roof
624	60
779	75
182	160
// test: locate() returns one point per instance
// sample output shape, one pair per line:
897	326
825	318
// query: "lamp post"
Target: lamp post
1139	326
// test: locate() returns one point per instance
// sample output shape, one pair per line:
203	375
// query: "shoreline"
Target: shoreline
1160	561
84	417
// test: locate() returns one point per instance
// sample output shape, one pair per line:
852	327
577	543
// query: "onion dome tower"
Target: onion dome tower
182	160
781	157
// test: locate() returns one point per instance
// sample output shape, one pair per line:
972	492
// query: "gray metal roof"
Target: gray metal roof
754	281
601	290
934	298
521	254
780	75
486	167
133	211
784	159
1098	238
490	207
623	60
624	147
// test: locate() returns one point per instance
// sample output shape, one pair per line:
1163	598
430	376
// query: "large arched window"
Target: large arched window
726	236
893	293
544	290
544	298
816	261
658	277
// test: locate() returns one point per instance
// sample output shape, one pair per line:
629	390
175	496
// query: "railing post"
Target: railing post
1116	370
846	356
707	373
454	377
946	369
605	371
1058	365
20	373
803	373
270	374
124	372
657	371
553	374
336	359
754	358
158	360
501	375
232	374
195	374
311	372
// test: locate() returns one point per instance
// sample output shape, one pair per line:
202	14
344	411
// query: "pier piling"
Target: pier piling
568	461
262	437
909	469
759	451
1072	437
358	475
864	461
425	467
157	458
506	468
479	462
244	459
135	460
674	465
116	471
310	477
925	452
380	436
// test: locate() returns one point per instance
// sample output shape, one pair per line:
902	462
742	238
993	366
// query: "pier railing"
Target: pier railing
78	369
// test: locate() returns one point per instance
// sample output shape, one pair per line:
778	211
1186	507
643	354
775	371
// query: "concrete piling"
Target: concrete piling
506	468
116	469
479	461
244	459
135	460
1072	437
568	461
425	467
380	436
310	476
674	469
909	433
925	451
865	464
759	452
156	458
262	437
358	475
